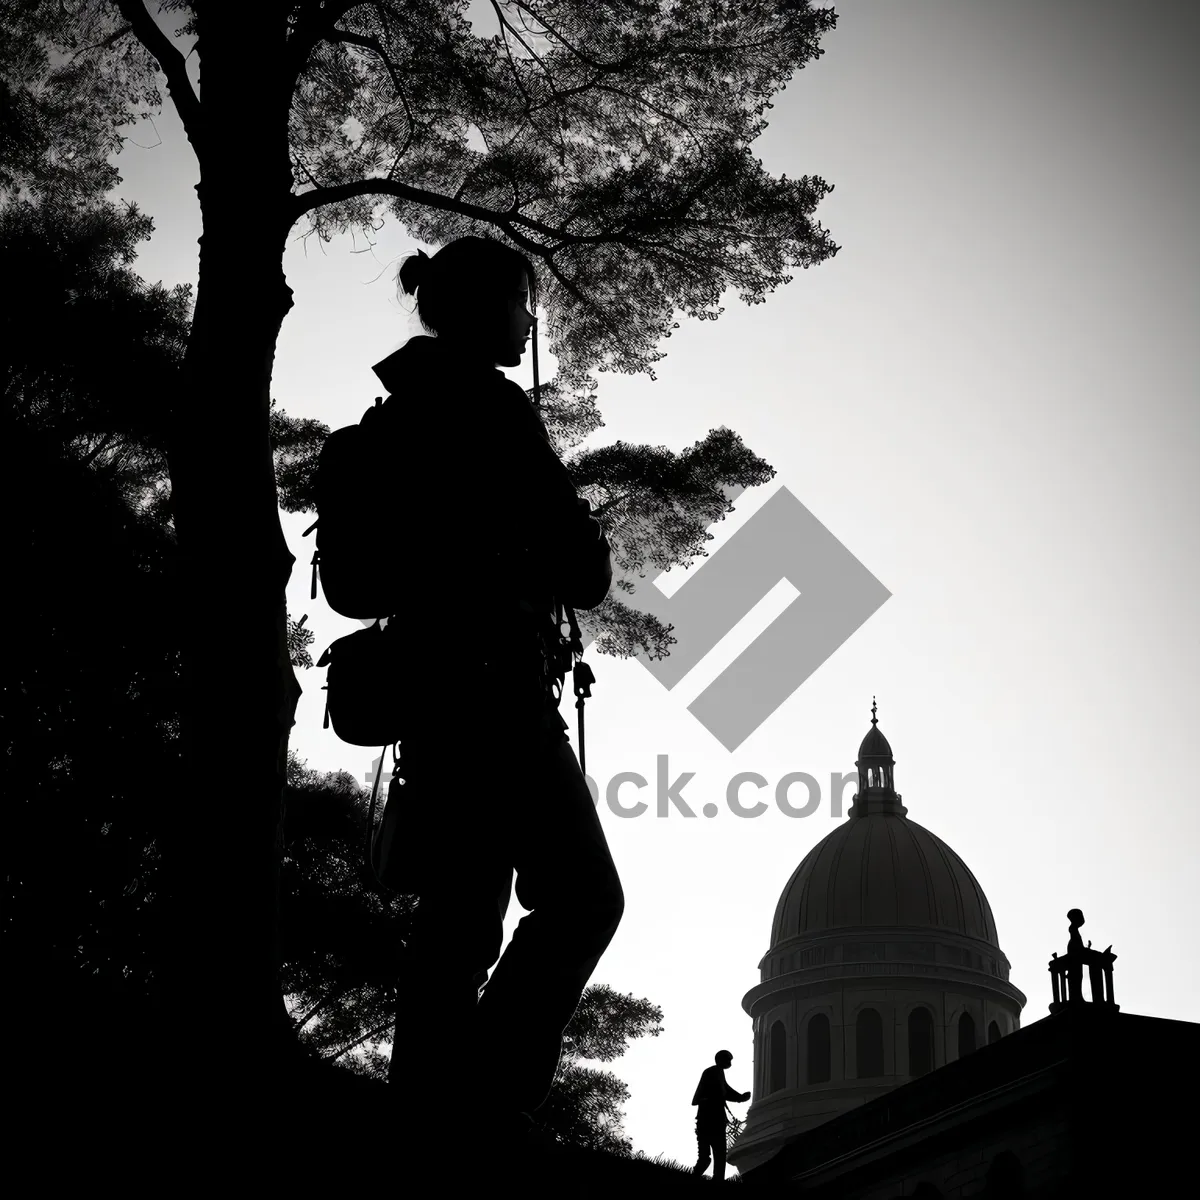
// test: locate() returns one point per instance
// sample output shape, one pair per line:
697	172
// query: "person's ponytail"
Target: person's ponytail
413	272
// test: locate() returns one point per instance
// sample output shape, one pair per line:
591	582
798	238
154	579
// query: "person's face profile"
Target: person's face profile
519	323
499	329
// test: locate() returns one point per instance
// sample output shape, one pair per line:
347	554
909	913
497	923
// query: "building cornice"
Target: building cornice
886	974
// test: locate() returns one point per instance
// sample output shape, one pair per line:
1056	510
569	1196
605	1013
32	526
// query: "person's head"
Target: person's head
723	1059
1075	916
475	293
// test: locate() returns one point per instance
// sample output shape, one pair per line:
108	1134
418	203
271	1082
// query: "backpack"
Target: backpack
364	703
362	699
352	505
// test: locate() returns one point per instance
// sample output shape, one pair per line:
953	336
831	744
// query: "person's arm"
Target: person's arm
518	513
581	559
558	524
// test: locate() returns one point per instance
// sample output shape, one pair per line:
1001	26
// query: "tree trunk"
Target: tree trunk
222	848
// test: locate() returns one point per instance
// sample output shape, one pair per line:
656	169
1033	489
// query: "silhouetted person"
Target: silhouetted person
1079	954
1074	956
493	539
712	1092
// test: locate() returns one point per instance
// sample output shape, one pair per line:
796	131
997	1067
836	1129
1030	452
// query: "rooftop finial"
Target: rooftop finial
874	721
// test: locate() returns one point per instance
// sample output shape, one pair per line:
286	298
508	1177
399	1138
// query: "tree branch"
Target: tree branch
170	61
310	30
306	201
103	43
603	508
608	68
91	455
335	991
507	26
347	38
301	165
504	42
370	1035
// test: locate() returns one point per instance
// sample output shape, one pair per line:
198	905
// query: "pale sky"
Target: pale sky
990	398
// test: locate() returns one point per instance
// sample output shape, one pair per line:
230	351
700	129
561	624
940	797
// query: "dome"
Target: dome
874	745
882	869
879	869
879	922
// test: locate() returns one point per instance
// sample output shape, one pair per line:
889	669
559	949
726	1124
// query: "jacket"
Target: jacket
485	512
712	1091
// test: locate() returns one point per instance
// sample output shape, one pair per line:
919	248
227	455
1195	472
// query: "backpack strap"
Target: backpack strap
581	678
371	812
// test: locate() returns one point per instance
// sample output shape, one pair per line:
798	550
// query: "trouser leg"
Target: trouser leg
463	885
710	1138
567	880
718	1150
455	939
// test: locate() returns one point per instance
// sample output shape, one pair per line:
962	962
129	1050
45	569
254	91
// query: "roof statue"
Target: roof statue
1066	973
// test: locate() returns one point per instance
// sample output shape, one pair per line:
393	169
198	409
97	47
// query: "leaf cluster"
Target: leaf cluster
92	354
70	78
90	716
603	1025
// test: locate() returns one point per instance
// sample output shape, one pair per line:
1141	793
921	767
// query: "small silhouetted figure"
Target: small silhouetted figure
1074	956
712	1093
495	543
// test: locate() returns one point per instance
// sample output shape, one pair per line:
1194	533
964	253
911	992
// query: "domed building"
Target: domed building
884	964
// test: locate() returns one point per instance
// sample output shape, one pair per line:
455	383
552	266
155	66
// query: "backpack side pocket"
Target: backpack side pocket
364	698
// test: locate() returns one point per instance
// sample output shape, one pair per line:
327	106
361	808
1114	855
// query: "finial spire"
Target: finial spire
874	720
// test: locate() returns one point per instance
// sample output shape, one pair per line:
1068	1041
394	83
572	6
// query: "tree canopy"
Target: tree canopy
612	143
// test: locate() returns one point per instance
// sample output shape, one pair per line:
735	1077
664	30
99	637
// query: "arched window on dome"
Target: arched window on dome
920	1042
778	1075
993	1033
819	1057
966	1035
868	1044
